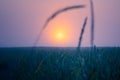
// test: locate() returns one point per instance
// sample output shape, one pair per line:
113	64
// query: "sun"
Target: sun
60	36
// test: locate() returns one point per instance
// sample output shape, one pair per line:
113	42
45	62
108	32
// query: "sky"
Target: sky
22	20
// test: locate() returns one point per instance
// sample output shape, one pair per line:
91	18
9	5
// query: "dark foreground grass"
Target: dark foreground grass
59	64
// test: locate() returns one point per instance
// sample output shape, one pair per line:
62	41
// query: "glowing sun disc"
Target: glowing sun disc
60	36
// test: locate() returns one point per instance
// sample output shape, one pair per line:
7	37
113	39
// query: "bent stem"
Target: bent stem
81	33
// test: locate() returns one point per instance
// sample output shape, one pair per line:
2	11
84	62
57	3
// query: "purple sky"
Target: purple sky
21	21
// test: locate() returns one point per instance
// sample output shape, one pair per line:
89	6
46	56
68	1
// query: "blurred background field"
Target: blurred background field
42	63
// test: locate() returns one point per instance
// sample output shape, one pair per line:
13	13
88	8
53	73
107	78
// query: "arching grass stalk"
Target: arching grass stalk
54	15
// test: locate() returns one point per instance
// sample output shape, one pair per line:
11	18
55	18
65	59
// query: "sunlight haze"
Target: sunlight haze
22	20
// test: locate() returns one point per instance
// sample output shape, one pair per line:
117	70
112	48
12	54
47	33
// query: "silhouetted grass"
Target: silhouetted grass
92	22
82	32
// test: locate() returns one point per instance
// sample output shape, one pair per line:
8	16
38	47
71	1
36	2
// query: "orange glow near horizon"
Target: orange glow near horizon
58	33
60	36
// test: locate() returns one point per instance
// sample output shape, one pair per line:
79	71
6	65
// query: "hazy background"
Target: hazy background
21	21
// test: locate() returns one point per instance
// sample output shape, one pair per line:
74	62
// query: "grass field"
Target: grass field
102	63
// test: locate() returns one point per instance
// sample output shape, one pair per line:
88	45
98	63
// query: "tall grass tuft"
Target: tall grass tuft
55	14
